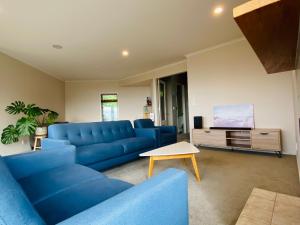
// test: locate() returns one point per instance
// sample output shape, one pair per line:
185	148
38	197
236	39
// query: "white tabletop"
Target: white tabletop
179	148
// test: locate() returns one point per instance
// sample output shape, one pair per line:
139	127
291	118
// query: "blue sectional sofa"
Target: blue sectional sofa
166	134
48	187
101	145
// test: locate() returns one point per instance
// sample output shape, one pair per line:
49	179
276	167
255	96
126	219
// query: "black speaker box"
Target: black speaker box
198	122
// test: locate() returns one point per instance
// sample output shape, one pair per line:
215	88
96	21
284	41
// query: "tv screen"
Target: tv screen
234	116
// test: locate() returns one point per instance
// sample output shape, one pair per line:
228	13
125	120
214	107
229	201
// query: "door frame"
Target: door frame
183	107
162	122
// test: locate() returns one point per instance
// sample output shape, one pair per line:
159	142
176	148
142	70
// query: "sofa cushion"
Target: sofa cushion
135	144
43	185
79	198
98	152
15	206
143	123
80	134
167	138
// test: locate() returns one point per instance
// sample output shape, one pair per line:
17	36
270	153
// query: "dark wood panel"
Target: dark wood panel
272	31
298	50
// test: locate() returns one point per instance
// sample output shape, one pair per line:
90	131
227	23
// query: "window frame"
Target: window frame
106	101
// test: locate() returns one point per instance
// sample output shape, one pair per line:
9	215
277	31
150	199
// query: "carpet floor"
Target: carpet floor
227	179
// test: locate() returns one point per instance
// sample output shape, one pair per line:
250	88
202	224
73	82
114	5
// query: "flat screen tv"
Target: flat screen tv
235	116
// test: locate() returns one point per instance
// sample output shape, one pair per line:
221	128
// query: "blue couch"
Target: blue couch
48	187
101	145
166	134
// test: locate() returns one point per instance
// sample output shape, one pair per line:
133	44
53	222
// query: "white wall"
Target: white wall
164	71
22	82
232	74
83	100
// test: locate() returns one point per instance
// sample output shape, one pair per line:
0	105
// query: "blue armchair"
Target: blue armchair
167	134
48	187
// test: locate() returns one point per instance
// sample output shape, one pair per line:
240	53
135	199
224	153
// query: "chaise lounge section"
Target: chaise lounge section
48	187
102	145
166	134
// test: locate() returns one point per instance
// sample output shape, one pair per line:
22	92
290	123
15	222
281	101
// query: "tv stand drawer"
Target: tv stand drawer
266	140
209	137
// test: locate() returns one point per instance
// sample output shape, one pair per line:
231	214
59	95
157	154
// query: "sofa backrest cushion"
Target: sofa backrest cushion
15	206
80	134
143	123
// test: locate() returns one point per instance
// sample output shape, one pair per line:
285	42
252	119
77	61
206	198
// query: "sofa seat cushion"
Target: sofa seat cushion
15	206
43	185
78	198
136	144
90	154
167	138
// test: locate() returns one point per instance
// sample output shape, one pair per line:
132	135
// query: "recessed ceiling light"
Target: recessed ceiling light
57	46
125	53
218	10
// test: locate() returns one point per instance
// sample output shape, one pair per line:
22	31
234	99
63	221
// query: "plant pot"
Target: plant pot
41	131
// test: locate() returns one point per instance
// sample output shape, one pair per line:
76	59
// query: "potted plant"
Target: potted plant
34	120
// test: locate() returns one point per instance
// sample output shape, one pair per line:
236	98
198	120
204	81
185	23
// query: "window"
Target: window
109	107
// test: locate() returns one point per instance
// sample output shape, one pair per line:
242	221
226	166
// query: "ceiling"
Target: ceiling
93	33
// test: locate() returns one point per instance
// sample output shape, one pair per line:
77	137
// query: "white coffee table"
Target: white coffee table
181	150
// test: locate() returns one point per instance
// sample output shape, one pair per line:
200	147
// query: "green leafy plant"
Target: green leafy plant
32	117
10	134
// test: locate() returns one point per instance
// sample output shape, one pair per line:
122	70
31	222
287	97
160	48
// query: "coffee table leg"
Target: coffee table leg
195	167
151	165
184	162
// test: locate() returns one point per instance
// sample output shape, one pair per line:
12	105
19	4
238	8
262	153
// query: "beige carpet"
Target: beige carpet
227	181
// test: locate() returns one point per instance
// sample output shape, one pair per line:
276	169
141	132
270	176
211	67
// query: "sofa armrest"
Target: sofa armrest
25	164
168	129
148	132
162	199
48	143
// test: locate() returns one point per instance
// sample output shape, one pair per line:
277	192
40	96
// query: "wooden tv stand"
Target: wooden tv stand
263	140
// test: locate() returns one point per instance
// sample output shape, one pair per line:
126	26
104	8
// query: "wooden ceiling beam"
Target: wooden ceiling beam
271	27
251	6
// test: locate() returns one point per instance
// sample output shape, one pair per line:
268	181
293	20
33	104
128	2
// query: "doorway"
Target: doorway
173	102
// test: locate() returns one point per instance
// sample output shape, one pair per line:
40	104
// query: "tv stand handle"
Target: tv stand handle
264	133
207	131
